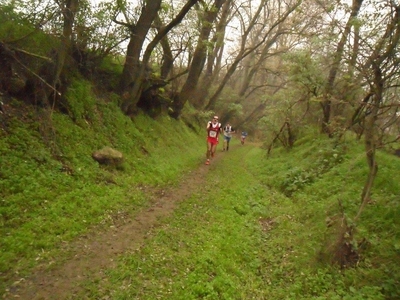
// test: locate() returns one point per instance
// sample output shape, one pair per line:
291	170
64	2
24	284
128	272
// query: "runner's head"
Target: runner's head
215	119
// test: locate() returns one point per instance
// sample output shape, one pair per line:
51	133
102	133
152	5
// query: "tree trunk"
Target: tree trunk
69	9
327	103
167	59
213	58
371	140
258	64
132	66
199	58
245	50
133	95
389	42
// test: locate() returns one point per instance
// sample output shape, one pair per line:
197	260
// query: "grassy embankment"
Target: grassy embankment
254	231
243	237
52	190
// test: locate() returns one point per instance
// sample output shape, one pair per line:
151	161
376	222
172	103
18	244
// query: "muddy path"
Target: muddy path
88	257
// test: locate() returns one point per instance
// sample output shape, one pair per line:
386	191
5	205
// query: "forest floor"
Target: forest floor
91	255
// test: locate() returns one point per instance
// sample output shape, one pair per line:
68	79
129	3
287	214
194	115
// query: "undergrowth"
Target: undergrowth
259	228
52	190
240	237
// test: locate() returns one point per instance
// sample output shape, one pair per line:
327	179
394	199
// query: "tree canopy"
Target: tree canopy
233	57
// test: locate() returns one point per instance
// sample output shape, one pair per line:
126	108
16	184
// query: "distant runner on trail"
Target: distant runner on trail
228	130
213	130
243	137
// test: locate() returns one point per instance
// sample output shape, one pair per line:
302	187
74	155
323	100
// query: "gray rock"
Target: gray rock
108	156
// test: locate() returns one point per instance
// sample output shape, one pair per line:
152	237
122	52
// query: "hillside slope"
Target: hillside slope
165	226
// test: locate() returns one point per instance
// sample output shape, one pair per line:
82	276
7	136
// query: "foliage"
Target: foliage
229	104
296	179
247	240
196	119
235	237
81	103
52	190
325	156
341	181
17	29
305	71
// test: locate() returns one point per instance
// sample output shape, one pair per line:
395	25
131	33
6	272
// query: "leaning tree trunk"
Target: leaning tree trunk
381	62
245	50
371	140
199	58
138	32
326	103
69	9
213	59
135	88
341	249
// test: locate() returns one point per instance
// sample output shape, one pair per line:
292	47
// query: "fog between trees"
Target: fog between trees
311	62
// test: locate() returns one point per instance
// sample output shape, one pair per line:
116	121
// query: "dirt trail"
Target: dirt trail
96	252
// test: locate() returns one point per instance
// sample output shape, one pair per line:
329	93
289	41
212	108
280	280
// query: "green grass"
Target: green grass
53	191
255	230
242	239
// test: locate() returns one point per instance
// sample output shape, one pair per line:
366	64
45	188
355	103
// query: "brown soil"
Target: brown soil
90	255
